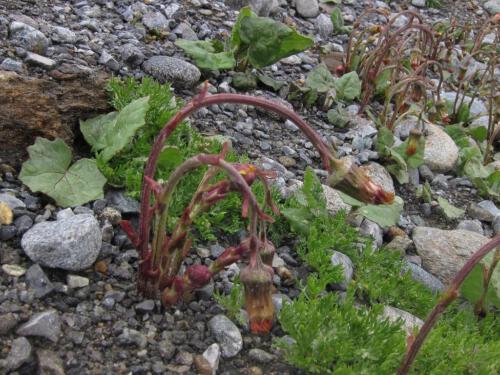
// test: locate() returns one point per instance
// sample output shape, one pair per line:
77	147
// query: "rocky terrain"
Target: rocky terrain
76	310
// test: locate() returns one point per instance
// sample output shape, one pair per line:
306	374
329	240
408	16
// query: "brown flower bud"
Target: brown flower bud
267	252
257	281
413	141
350	179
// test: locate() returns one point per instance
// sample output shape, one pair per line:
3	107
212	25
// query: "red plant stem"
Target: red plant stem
201	101
446	299
190	164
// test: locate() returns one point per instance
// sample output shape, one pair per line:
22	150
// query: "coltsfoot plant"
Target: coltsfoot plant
162	257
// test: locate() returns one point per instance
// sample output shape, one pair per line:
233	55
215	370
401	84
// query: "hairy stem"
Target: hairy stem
201	101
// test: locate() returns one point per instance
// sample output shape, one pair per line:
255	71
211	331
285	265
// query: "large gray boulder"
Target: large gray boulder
444	252
71	244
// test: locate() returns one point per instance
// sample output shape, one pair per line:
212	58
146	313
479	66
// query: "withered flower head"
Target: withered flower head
248	171
267	251
413	141
352	180
258	281
172	294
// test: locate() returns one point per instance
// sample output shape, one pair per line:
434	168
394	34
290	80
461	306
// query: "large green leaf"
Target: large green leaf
348	86
109	134
299	218
235	33
48	171
450	211
269	41
207	54
320	79
385	140
399	169
416	159
385	215
337	20
275	84
93	129
338	117
472	287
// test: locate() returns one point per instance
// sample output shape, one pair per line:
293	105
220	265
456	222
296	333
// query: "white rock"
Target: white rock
212	355
418	3
227	335
75	281
307	8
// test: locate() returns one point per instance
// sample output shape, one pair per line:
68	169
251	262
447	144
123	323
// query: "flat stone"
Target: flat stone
45	324
7	323
39	60
11	201
400	244
307	8
63	35
13	270
370	229
132	54
121	202
170	69
418	3
347	269
108	60
132	337
145	306
72	244
444	252
49	363
420	275
28	37
155	21
227	335
472	225
12	65
484	211
20	353
410	322
38	281
76	282
334	203
260	356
